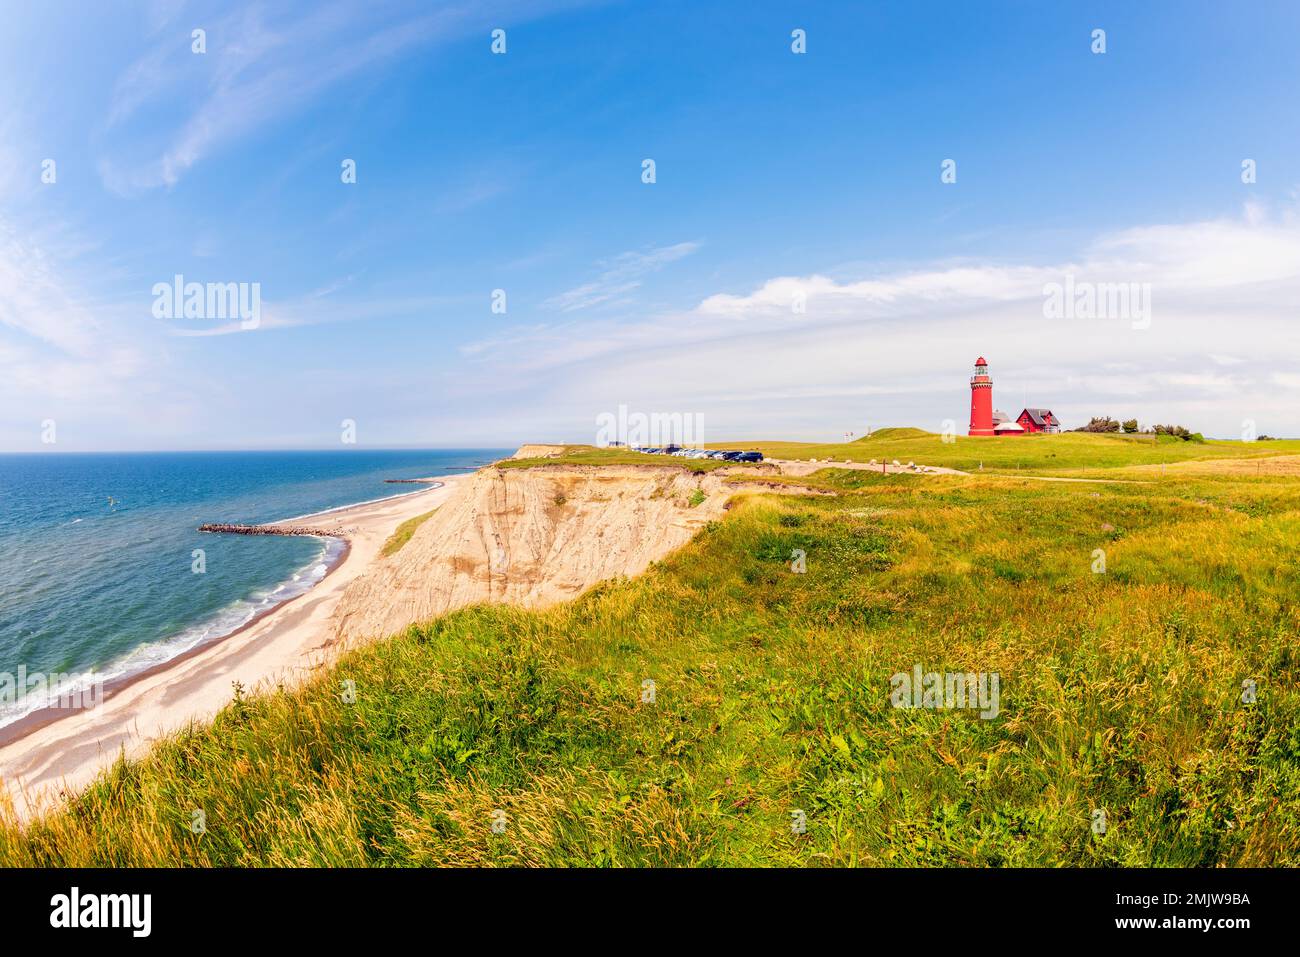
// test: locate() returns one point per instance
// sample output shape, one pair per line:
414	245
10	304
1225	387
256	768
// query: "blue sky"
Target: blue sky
779	177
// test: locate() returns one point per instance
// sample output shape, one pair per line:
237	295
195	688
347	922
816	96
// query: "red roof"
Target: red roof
980	361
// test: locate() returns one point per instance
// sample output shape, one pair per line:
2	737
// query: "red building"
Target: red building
985	421
1039	420
981	400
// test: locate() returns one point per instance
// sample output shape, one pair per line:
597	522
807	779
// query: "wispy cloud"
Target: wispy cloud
35	303
618	277
64	358
316	309
914	332
261	64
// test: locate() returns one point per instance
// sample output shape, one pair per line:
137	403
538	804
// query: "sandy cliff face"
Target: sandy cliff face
539	452
530	537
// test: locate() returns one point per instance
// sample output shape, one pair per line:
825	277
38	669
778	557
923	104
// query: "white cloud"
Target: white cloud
68	359
895	348
34	302
313	309
618	277
261	63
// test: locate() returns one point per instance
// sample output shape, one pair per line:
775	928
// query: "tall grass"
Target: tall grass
1120	692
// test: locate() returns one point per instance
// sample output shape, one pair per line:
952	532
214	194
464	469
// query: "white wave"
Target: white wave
344	508
150	655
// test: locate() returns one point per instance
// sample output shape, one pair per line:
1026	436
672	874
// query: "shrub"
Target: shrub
1179	432
1099	423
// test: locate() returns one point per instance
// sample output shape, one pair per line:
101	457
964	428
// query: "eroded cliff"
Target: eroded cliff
531	537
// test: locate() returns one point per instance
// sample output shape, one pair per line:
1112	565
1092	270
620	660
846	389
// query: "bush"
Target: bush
1130	425
1103	423
1179	432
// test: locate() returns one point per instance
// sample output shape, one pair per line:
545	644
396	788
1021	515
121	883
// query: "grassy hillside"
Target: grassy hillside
1121	692
1069	453
402	534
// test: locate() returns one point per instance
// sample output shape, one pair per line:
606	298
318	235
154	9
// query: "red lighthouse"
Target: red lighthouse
981	400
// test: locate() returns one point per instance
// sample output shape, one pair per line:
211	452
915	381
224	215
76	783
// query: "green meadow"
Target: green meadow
727	708
1069	453
590	455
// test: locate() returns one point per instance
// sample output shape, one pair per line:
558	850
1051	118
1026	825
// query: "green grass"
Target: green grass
402	534
1119	691
590	455
1069	453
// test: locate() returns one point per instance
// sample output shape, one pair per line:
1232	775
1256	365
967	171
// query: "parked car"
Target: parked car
730	456
750	457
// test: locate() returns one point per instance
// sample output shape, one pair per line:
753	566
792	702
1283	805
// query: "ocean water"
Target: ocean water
96	576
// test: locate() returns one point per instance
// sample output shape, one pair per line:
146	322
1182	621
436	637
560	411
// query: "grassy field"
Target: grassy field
591	455
1121	694
1069	453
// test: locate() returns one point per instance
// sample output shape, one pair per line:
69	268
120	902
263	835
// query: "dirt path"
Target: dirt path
1060	478
801	467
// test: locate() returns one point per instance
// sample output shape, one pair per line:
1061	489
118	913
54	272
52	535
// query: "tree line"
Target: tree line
1104	423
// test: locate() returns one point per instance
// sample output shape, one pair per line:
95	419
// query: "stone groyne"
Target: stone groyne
272	530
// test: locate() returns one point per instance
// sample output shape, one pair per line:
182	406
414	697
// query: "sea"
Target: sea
100	571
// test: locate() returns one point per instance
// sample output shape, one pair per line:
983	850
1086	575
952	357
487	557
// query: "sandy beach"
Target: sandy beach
60	756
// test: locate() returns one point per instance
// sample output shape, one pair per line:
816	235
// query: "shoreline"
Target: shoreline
20	727
433	483
42	717
59	750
